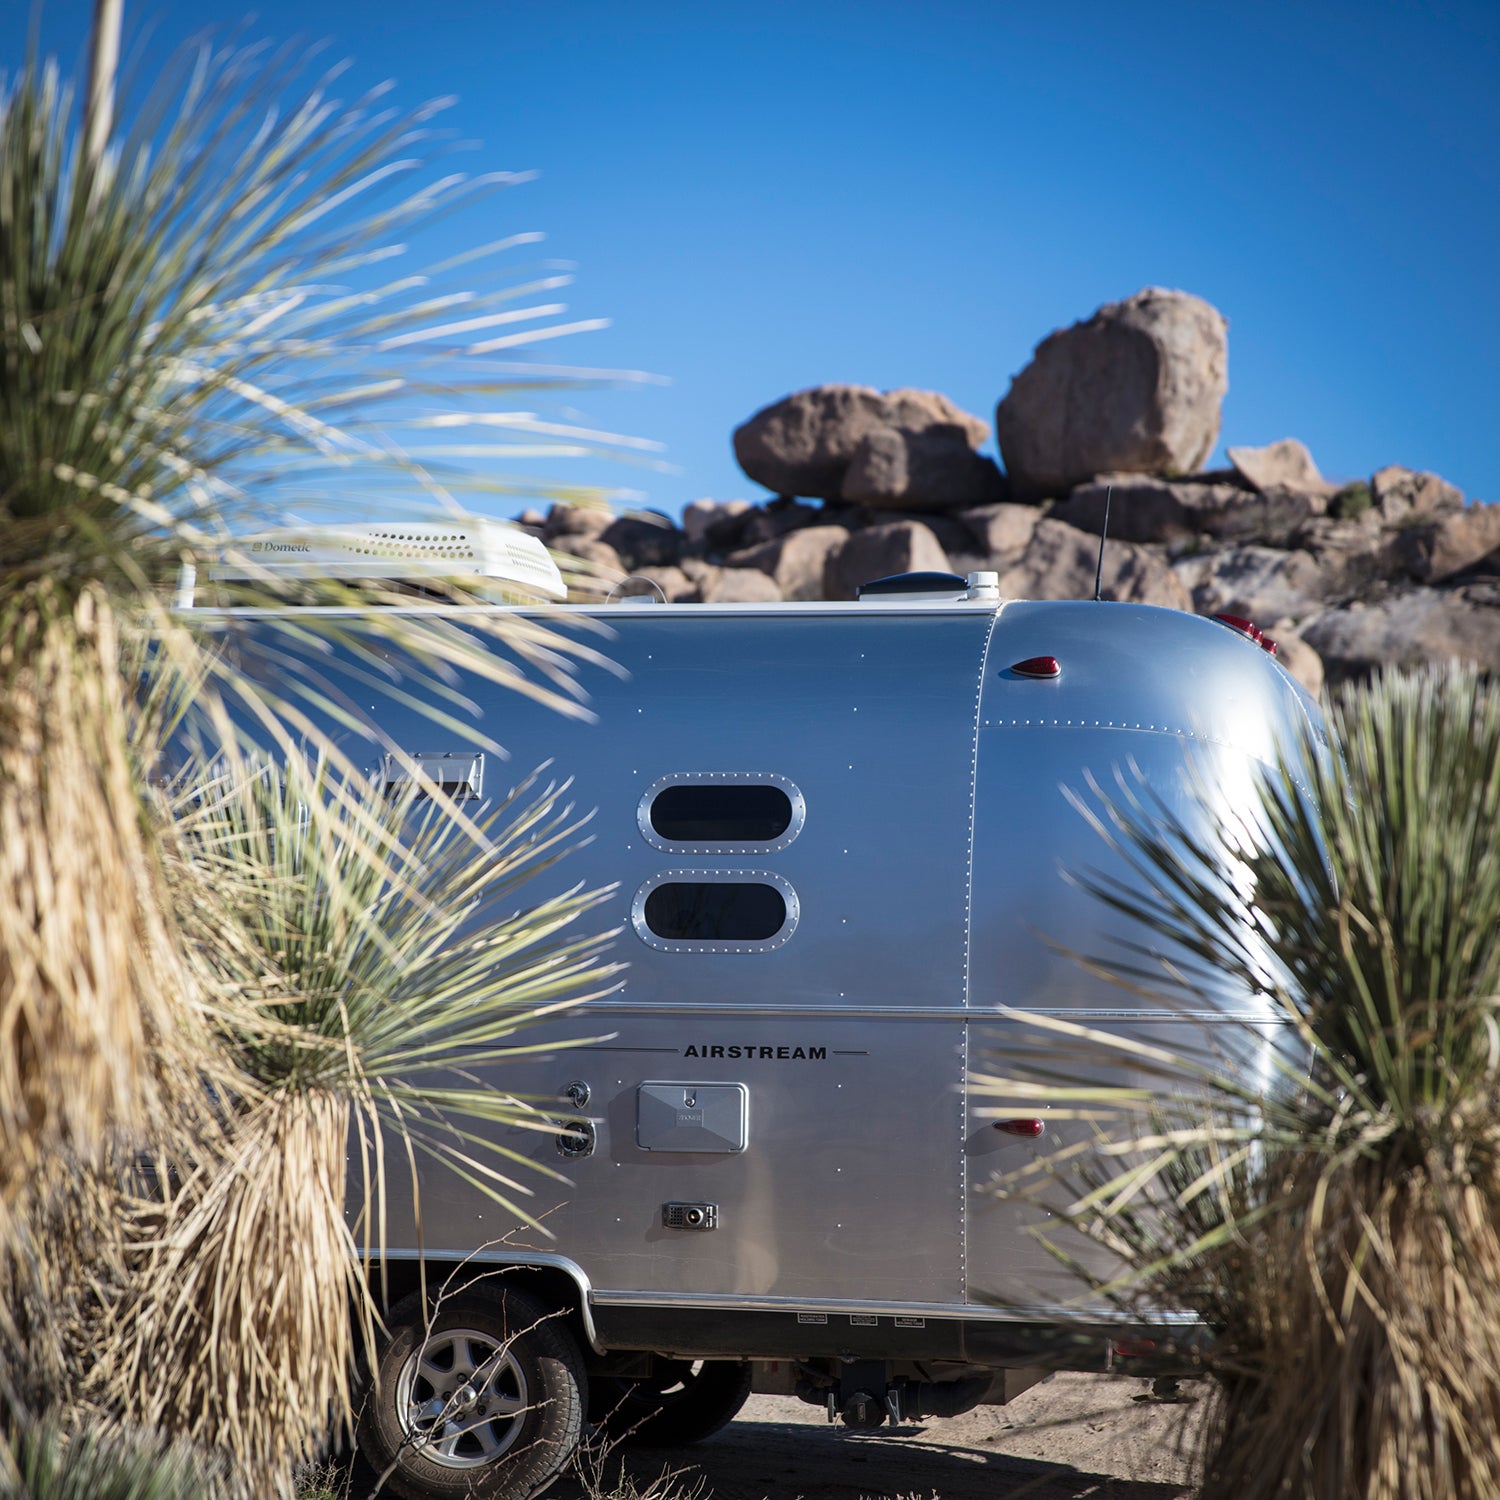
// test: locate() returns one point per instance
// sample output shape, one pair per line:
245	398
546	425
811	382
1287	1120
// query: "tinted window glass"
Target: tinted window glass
707	814
715	911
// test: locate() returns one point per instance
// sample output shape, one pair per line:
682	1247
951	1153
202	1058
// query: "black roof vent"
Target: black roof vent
915	586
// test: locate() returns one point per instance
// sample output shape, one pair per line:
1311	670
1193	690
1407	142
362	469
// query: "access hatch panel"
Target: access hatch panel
712	1117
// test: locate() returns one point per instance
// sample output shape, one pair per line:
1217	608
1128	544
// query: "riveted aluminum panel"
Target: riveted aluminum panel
852	1038
850	1185
870	716
1148	702
1150	698
846	1033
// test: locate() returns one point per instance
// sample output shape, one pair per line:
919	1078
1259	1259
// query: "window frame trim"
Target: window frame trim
742	847
778	939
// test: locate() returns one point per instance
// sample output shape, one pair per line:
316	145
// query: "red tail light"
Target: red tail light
1031	1129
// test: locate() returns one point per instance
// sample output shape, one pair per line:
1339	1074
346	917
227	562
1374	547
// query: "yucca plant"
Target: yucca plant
201	331
198	333
108	1463
1340	1237
365	991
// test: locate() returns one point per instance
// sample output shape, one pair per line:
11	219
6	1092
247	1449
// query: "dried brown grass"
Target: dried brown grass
235	1329
1364	1359
352	984
92	987
60	1266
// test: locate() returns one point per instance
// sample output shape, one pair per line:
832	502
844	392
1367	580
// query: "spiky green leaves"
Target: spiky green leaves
201	329
365	965
117	1463
1365	904
383	949
207	325
1339	1234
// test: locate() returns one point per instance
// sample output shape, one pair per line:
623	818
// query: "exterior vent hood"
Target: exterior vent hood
930	588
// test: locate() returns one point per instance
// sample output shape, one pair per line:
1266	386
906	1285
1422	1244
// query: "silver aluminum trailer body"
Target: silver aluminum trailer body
805	1090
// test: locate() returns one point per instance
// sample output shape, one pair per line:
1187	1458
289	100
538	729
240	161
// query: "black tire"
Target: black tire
442	1434
682	1403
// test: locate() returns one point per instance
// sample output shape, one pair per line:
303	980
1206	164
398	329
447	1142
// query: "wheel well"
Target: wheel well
548	1284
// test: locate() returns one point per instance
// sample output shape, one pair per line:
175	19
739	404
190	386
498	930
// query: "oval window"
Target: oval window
717	911
715	813
721	812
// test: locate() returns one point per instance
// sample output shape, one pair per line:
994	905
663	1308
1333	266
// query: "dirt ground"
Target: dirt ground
1073	1437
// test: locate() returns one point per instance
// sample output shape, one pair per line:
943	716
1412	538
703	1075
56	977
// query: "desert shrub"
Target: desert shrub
1339	1236
1352	501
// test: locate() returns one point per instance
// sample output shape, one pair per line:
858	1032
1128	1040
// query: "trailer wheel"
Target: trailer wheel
682	1403
486	1401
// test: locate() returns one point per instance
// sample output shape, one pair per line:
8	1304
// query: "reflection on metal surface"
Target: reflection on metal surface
457	774
978	1312
1037	666
930	899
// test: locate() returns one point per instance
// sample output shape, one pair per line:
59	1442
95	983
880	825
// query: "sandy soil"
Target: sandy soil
1073	1437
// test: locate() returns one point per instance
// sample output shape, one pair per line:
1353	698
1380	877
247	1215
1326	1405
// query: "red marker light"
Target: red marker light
1134	1348
1037	666
1031	1129
1241	624
1251	629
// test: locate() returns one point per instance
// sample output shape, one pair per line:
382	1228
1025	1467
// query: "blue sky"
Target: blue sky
767	196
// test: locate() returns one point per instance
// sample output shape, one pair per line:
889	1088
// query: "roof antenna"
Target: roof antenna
1103	532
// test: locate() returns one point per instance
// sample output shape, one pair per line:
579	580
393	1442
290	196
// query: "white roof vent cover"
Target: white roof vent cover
517	566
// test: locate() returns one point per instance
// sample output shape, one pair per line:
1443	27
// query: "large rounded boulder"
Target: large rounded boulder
893	450
1134	389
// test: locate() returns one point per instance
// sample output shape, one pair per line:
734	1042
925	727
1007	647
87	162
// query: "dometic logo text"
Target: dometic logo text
769	1054
279	547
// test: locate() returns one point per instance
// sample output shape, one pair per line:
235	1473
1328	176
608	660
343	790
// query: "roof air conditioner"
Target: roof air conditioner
499	562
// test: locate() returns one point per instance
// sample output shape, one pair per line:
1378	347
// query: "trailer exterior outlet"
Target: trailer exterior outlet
700	1216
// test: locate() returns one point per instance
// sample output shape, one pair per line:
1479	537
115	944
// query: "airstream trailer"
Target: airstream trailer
839	838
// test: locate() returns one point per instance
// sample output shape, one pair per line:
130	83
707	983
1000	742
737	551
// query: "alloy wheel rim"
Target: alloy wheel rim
461	1397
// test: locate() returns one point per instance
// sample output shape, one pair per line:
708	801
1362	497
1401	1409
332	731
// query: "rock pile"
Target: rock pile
1396	569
